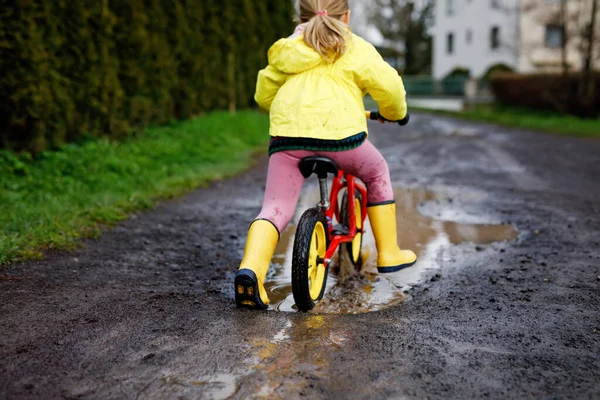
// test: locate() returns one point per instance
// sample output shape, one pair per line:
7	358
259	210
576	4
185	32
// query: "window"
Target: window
469	37
450	43
450	8
554	36
495	37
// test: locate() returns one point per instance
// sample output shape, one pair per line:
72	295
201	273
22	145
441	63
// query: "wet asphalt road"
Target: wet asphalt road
146	311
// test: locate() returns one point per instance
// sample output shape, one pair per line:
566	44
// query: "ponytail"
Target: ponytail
325	32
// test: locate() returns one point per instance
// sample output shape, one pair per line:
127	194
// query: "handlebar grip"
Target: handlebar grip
405	120
372	115
375	116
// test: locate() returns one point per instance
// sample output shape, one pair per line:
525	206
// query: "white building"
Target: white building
525	35
541	35
474	35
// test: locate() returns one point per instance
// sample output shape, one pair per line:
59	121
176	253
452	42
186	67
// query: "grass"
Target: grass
526	119
52	201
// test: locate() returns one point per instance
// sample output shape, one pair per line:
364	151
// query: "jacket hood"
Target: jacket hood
293	56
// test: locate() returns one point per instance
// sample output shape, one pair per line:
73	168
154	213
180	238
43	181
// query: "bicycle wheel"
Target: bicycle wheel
309	272
353	249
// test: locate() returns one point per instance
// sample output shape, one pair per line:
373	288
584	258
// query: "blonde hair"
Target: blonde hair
325	32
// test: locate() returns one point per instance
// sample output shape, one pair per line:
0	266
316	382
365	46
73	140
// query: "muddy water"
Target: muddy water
351	292
304	346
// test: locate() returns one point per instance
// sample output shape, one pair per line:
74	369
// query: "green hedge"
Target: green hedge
548	92
104	67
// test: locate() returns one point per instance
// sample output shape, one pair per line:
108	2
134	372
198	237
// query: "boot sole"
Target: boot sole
246	291
388	270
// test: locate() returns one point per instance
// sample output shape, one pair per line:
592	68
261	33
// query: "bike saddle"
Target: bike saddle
317	165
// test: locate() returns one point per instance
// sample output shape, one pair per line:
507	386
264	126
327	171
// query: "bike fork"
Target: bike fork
324	204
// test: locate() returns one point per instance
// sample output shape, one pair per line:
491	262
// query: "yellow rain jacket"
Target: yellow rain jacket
309	97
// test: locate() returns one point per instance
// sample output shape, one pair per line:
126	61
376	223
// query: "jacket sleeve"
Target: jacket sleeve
269	82
379	79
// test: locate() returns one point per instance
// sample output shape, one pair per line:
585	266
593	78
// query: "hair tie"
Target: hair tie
324	13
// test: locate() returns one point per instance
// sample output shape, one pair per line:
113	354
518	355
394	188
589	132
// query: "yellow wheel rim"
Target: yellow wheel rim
316	255
357	241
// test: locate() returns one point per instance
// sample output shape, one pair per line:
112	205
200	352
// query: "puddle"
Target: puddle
218	387
418	230
302	348
213	387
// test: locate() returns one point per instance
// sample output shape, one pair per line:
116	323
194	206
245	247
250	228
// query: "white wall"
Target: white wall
535	55
479	17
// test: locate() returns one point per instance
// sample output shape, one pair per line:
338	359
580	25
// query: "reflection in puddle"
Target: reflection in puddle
303	347
416	230
427	236
360	294
213	387
221	386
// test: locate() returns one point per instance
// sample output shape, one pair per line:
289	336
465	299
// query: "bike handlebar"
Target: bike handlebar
376	116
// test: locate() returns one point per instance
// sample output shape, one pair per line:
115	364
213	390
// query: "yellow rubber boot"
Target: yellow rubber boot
250	278
389	256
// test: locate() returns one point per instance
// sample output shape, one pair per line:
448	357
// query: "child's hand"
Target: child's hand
375	115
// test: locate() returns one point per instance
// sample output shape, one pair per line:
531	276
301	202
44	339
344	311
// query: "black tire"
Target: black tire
301	259
346	248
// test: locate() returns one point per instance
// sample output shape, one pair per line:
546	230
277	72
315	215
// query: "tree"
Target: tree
406	23
588	84
70	69
565	37
579	47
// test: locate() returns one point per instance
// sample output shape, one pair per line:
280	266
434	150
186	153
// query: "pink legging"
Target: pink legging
284	180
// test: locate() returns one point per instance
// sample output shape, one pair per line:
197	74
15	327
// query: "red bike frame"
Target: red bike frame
341	181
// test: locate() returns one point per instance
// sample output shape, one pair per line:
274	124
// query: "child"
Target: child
314	87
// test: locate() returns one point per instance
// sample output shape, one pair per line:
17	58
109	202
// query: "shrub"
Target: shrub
497	69
549	92
105	67
454	82
459	72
